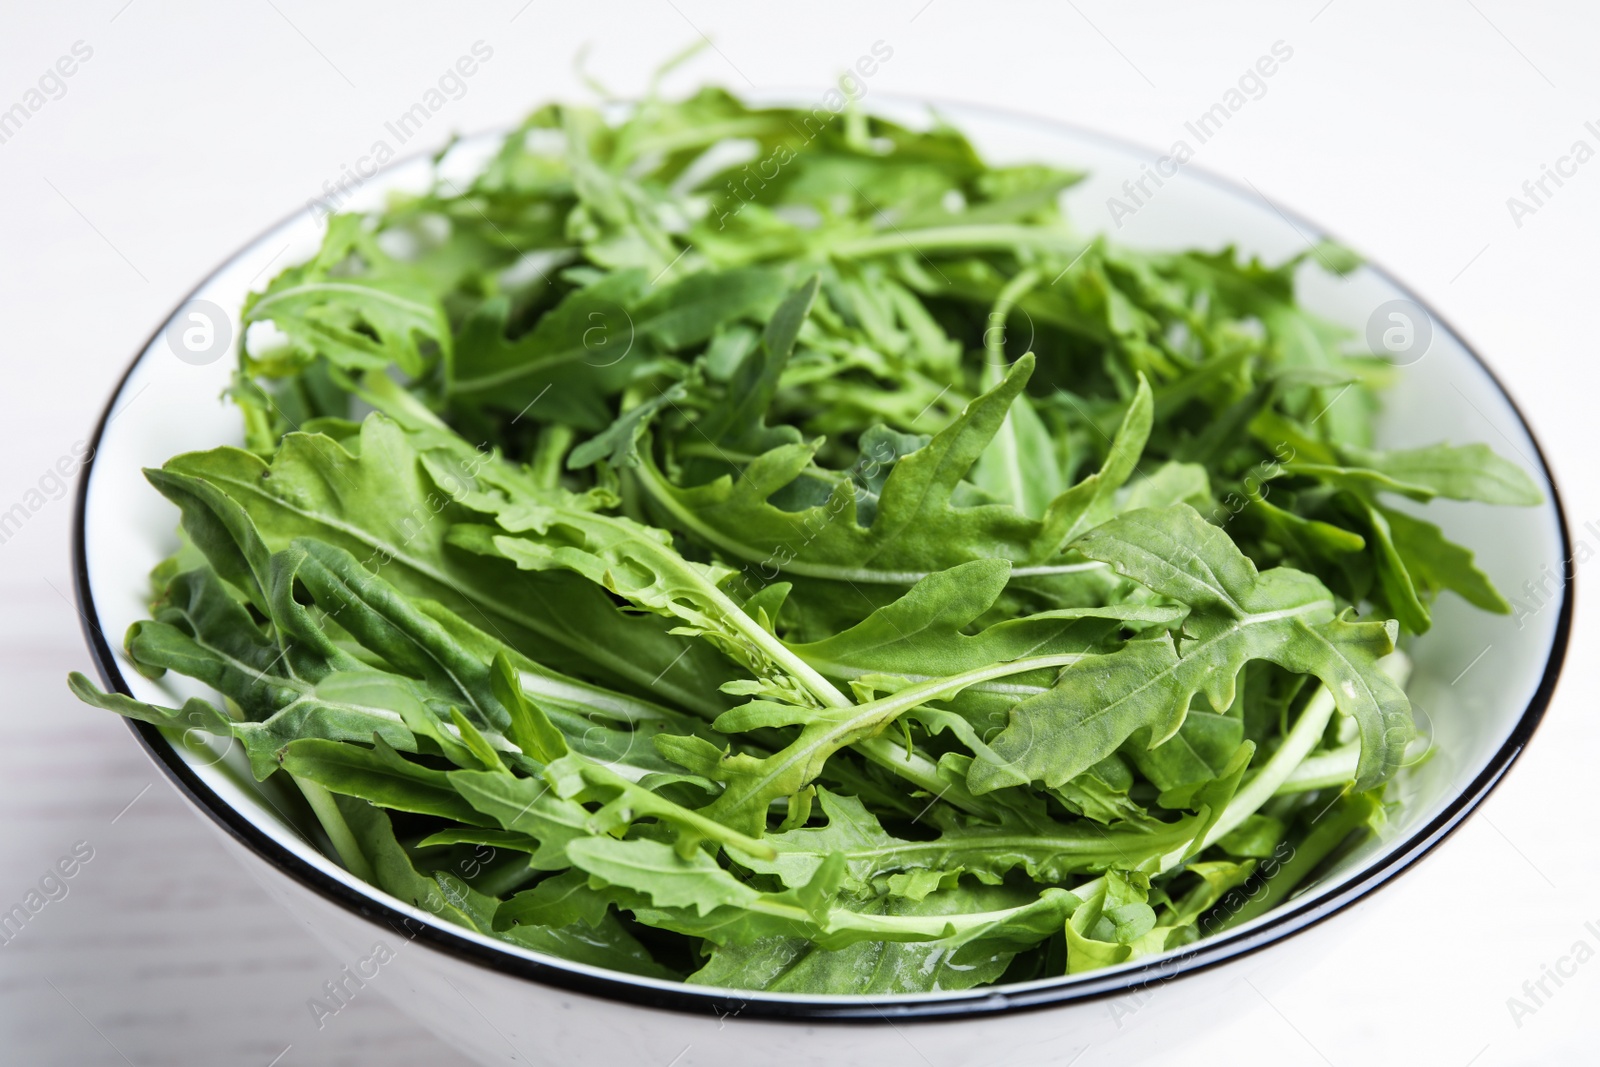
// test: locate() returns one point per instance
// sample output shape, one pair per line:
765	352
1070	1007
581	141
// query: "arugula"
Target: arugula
820	571
1236	614
370	318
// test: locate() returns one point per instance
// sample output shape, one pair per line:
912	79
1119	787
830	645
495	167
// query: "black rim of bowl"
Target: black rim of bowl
1287	921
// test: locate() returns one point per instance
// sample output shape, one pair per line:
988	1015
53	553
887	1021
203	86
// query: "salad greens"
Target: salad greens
877	587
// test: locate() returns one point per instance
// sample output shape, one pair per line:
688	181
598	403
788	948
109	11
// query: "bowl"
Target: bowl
498	1002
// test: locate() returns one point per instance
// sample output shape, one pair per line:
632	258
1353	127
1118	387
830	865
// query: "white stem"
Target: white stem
1325	771
1264	783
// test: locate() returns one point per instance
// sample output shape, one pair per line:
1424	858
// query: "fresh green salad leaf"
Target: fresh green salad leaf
723	544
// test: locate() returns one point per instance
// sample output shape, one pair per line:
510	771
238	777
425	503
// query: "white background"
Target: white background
194	126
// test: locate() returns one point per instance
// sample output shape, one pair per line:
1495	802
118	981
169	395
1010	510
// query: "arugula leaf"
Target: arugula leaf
1436	563
923	634
1088	503
695	895
395	872
356	322
585	345
1237	615
1456	472
380	505
1049	852
915	529
740	424
752	547
378	774
798	965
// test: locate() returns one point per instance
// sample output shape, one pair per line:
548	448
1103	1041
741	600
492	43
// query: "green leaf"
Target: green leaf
694	895
1456	472
1397	587
739	423
704	593
916	528
396	874
1237	615
379	775
586	349
530	728
923	634
1048	851
365	322
285	688
554	532
1090	501
672	881
195	714
1020	467
796	965
607	944
1441	564
528	806
560	900
1114	925
754	782
623	802
618	444
379	504
688	312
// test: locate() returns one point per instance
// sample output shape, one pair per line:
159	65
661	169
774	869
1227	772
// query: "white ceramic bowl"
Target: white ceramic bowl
501	1003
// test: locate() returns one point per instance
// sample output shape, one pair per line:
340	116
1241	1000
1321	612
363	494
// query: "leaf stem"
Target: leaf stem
338	831
1324	771
998	237
710	451
1296	746
921	771
857	722
651	479
894	927
1043	571
774	649
994	337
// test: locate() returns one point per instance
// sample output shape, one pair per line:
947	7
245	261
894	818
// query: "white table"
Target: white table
192	126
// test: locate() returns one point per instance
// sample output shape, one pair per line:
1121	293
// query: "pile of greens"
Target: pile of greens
776	550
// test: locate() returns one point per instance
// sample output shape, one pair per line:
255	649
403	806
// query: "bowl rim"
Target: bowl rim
981	1002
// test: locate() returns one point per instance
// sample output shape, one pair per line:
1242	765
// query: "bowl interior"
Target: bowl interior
1476	675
